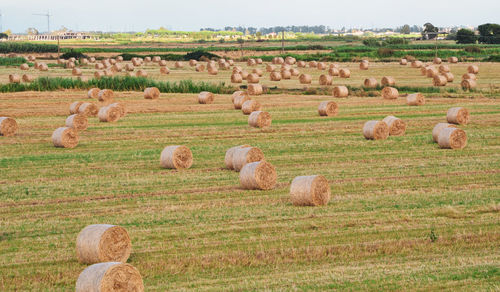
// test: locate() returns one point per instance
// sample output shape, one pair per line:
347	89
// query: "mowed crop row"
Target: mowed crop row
404	214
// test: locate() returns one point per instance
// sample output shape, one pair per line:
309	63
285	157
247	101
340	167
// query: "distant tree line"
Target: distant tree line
489	33
317	29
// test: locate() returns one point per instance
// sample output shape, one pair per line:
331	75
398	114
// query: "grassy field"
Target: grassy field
404	214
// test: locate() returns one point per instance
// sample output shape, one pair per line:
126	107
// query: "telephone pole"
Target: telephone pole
48	19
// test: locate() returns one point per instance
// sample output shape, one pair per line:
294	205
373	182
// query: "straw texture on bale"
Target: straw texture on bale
93	93
179	64
275	76
244	155
88	109
240	99
105	95
99	243
468	84
449	76
151	93
340	91
328	108
444	69
255	89
286	74
325	79
14	78
8	126
110	277
77	121
370	83
415	99
305	79
437	129
375	130
439	80
403	62
109	114
99	66
162	63
238	93
473	69
452	138
43	67
321	66
129	67
65	137
253	78
311	190
164	70
294	72
453	60
24	67
363	65
390	93
121	107
270	68
313	64
258	61
244	74
397	127
458	115
73	107
259	119
344	73
437	60
388	81
236	78
258	71
28	78
469	76
260	175
228	159
250	106
176	157
251	62
333	72
205	97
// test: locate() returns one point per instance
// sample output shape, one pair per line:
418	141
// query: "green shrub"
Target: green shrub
73	54
472	49
385	52
15	47
12	61
196	55
372	43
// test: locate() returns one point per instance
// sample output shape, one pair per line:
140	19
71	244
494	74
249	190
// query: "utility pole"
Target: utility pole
48	19
283	41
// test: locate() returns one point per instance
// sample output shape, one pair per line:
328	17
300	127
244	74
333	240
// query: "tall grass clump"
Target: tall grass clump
12	61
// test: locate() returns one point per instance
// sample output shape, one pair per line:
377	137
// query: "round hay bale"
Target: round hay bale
325	79
129	67
260	175
255	89
259	119
370	83
313	64
24	67
244	155
344	73
431	72
388	81
290	60
403	62
458	115
28	78
108	72
321	66
251	62
258	61
301	64
92	59
155	59
294	72
98	74
141	73
250	106
244	74
136	62
469	76
334	65
65	137
36	65
468	84
93	93
239	98
333	72
70	65
390	93
305	79
453	60
162	63
437	60
439	80
415	99
236	78
119	59
43	67
121	107
237	69
77	121
225	66
151	93
176	157
423	71
376	130
117	68
328	108
340	91
286	74
14	78
76	72
449	76
270	68
416	64
110	276
105	95
8	126
179	64
452	138
88	109
103	243
397	127
99	66
363	65
73	107
474	69
437	129
444	69
200	68
109	114
193	62
164	70
278	60
213	71
311	190
253	78
230	62
205	97
275	76
228	159
258	71
112	61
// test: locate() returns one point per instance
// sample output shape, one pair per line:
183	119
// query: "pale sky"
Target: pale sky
113	15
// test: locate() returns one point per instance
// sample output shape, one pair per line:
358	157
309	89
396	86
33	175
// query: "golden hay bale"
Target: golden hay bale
294	72
8	126
452	138
344	73
151	93
444	69
192	62
110	276
340	91
200	68
88	109
370	83
251	62
474	69
313	64
24	67
164	70
437	129
237	69
390	93
397	127
258	71
260	175
305	79
388	81
236	78
469	76
225	66
93	93
258	61
458	115
290	60
77	122
205	97
155	59
259	119
99	66
278	60
176	157
129	67
250	106
244	74
415	99
162	63
431	72
119	59
141	73
311	190
238	98
328	108
230	62
109	114
449	76
453	60
333	72
375	130
301	64
14	78
363	65
286	74
121	107
253	78
321	66
325	79
179	64
28	78
70	65
36	65
43	67
136	62
105	95
117	68
112	61
243	155
98	74
334	65
270	68
468	84
255	89
275	76
76	72
439	80
103	243
437	60
423	71
403	62
228	159
416	64
65	137
92	59
213	71
73	108
108	72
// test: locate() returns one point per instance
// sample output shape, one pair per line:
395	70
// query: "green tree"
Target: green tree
3	35
405	29
32	31
465	36
430	31
489	33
